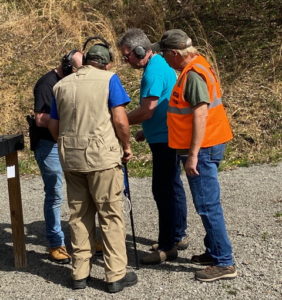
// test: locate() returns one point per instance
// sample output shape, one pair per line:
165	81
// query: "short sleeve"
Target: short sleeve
117	93
42	95
54	111
152	85
196	90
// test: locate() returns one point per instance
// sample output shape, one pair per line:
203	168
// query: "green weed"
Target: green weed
232	292
278	214
265	236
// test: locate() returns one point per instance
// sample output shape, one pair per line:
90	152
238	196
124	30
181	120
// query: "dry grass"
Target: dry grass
244	49
34	36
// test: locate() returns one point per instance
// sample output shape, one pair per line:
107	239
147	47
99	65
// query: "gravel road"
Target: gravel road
252	201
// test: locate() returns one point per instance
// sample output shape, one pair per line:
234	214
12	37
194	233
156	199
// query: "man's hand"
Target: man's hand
191	165
139	136
200	113
127	155
42	119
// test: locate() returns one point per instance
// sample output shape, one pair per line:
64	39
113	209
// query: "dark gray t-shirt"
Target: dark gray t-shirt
43	96
196	90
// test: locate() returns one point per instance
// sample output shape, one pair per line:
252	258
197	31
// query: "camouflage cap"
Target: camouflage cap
99	53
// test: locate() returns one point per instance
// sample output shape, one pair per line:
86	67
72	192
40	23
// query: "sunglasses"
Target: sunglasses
165	51
127	56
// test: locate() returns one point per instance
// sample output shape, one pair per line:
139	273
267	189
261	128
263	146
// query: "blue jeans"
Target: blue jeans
181	209
168	193
205	191
47	157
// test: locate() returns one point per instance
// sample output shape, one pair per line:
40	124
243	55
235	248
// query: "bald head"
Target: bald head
76	60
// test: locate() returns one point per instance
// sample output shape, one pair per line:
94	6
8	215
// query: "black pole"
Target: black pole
127	194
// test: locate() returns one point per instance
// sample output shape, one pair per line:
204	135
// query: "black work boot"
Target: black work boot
80	283
128	280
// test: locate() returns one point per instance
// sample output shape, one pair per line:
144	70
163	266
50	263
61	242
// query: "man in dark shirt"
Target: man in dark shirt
46	155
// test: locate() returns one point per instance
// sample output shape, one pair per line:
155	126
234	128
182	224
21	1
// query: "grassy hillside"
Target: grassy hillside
241	38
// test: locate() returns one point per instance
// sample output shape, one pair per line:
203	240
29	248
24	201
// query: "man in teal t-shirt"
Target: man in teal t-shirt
157	81
156	85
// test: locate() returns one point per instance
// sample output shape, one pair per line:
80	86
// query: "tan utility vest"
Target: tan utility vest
87	140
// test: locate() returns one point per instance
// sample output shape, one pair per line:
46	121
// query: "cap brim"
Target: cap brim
156	47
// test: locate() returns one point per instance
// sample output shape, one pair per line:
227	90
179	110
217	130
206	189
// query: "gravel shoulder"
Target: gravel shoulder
252	201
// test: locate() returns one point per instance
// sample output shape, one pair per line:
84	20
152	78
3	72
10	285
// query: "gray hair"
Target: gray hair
185	52
96	64
134	37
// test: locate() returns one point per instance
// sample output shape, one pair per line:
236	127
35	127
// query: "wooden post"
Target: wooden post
16	209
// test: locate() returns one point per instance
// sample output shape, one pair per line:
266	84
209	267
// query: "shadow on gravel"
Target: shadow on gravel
168	266
39	265
34	233
37	262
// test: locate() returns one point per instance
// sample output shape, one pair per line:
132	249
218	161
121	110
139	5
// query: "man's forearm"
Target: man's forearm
121	125
199	129
144	111
53	127
42	119
123	135
138	116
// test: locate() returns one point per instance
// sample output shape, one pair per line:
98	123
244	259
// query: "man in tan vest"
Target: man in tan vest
89	120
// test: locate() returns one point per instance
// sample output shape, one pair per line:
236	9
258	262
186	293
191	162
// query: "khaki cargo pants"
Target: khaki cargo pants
101	192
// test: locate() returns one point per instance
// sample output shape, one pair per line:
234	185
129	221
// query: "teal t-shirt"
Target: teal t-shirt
158	80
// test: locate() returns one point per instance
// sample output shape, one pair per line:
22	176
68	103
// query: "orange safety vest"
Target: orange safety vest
180	112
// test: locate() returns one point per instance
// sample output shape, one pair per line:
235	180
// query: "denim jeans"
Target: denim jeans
165	179
181	209
47	157
205	191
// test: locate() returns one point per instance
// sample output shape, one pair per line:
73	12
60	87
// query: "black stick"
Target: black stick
127	194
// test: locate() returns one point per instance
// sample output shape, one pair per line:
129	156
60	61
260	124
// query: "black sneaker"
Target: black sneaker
80	283
202	259
212	273
128	280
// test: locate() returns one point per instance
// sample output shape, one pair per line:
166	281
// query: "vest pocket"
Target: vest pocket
95	152
102	154
73	152
85	153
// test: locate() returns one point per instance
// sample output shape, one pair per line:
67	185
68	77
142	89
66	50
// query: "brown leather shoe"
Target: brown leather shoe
59	255
154	247
181	245
213	273
98	248
98	242
159	256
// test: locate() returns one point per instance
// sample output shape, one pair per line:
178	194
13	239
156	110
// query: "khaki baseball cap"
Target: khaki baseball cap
173	39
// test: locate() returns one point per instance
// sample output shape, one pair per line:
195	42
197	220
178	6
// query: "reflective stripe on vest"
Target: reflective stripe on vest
189	110
180	112
207	71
